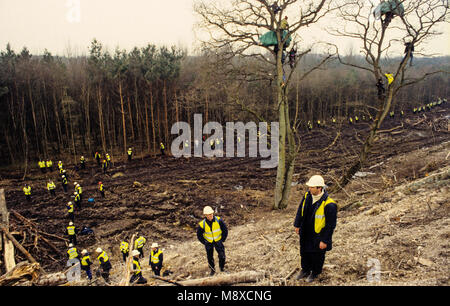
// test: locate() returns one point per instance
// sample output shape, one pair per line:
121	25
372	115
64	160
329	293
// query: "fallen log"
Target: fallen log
226	279
8	249
19	246
22	271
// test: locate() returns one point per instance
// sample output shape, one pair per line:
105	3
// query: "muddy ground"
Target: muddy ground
162	198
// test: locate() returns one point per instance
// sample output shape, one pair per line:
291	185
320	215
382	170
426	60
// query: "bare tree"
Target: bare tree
382	39
234	29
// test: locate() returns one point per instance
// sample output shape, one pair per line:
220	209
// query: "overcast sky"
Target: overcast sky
63	25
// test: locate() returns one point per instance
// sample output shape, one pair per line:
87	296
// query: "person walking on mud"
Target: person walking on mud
212	233
315	222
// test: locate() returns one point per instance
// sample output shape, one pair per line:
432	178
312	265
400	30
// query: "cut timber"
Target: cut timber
8	251
22	271
226	279
19	246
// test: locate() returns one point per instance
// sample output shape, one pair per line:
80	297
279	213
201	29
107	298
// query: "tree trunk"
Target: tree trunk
123	119
226	279
166	123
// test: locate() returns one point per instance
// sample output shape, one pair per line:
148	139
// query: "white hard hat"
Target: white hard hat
70	223
70	203
135	253
208	210
84	252
75	183
316	181
75	193
70	245
155	245
99	250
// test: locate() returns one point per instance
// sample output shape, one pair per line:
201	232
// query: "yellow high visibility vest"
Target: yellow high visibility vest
139	243
319	217
104	256
51	185
161	145
137	268
72	253
27	191
130	152
100	187
124	247
214	233
390	77
84	260
71	230
154	257
70	206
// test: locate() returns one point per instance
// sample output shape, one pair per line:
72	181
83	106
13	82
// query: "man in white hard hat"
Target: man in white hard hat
137	272
104	262
314	223
212	233
71	232
86	263
156	259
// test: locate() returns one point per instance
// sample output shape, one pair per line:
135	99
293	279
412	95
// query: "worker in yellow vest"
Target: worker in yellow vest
82	163
139	245
314	223
42	166
101	189
86	263
105	264
156	259
125	250
163	148
130	154
51	187
137	272
49	165
27	192
71	232
212	233
73	252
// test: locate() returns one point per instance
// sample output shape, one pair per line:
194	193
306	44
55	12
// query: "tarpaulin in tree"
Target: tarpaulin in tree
270	39
393	6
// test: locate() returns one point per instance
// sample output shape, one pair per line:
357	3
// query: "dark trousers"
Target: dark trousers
156	269
141	252
28	197
73	239
220	248
140	279
88	271
52	192
71	216
65	187
312	261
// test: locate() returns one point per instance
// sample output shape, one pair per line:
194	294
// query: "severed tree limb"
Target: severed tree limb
19	246
226	279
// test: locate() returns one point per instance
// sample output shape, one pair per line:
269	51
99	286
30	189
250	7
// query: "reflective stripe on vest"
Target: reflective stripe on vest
72	253
319	218
155	256
214	234
104	256
71	230
51	186
70	208
139	242
27	190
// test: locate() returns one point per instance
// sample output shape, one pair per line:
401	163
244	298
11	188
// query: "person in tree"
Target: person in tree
409	49
275	7
292	55
380	87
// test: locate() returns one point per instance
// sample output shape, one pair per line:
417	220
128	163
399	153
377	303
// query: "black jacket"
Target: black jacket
309	239
223	227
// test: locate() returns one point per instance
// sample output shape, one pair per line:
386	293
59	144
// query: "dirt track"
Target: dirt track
166	204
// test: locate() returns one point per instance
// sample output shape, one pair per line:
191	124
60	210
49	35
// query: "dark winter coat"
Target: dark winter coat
309	239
